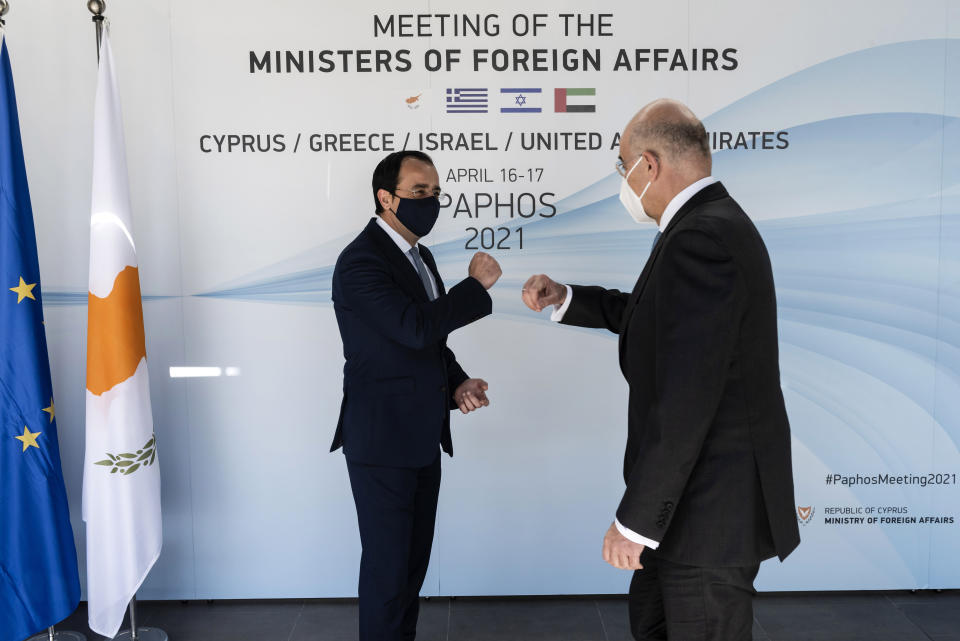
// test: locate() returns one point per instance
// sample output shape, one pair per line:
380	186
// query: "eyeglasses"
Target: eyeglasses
622	168
422	193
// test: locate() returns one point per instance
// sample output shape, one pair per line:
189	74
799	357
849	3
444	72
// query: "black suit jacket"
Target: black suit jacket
707	465
399	376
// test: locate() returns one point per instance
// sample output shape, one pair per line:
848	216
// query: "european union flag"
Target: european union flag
39	583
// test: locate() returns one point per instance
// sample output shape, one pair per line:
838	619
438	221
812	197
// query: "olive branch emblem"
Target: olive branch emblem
129	462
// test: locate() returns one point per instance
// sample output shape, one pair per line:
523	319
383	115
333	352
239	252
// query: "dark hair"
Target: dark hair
387	173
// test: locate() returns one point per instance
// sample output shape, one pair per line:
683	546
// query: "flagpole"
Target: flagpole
135	633
133	619
97	8
53	634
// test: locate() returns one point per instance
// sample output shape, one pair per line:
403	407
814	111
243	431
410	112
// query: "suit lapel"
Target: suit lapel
708	193
403	269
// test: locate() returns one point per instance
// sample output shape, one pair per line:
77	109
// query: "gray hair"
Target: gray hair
678	140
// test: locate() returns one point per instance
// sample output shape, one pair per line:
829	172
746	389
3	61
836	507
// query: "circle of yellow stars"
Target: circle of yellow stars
29	439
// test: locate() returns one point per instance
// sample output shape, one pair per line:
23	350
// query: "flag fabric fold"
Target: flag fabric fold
121	480
39	582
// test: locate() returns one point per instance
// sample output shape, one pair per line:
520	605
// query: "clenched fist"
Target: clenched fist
471	395
485	269
541	292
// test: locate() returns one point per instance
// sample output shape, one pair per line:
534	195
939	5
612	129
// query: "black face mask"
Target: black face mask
419	215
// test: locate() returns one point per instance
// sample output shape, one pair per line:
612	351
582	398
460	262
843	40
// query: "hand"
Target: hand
541	292
485	269
621	552
471	395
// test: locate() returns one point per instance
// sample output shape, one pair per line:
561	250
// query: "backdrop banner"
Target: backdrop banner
252	133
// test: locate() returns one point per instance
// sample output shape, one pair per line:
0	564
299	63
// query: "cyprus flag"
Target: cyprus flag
121	480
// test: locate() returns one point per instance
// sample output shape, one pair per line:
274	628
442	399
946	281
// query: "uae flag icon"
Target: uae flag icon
575	100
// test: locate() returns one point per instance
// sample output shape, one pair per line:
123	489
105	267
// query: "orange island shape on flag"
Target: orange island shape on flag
115	338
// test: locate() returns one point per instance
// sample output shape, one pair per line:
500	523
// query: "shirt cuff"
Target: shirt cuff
636	538
559	312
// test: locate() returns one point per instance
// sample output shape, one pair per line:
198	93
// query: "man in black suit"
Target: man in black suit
707	466
400	382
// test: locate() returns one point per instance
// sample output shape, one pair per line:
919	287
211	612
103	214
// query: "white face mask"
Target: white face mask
630	200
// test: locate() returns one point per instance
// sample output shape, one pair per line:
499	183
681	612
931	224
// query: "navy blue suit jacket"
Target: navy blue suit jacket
399	376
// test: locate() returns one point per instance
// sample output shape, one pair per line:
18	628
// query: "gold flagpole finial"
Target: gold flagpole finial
97	7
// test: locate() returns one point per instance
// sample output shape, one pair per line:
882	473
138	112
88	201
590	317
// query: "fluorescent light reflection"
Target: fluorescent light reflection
195	372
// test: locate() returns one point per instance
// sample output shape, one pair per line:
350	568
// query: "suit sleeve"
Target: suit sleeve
698	305
455	374
596	307
366	287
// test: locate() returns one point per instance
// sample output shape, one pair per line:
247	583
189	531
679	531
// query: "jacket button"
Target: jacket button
443	388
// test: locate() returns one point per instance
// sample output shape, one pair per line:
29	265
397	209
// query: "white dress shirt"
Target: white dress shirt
405	247
671	210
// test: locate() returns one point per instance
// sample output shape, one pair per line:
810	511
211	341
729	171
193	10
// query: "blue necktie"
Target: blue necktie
655	239
422	270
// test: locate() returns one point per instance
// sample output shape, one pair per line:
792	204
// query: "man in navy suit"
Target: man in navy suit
400	383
